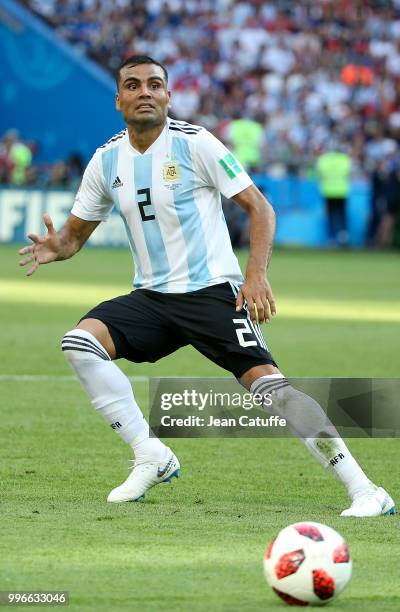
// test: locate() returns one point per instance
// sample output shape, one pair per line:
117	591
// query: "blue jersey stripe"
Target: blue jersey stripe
189	217
110	165
143	179
109	160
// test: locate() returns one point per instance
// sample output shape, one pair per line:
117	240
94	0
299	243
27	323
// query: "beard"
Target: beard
147	120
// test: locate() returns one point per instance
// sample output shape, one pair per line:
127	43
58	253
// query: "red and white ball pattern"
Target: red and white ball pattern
307	564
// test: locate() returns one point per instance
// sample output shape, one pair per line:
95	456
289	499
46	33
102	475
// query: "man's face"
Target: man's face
142	98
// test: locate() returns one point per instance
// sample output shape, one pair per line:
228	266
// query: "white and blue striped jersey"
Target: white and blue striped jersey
169	200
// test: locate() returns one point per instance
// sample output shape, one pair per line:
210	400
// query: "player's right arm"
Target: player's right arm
56	246
93	204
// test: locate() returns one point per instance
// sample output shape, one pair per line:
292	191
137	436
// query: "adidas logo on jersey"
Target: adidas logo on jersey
117	183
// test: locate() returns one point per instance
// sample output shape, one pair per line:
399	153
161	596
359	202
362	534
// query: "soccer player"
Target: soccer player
165	178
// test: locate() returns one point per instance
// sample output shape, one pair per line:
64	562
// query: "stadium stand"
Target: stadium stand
297	76
306	72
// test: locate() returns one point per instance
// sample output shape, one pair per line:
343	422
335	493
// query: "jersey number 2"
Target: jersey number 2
242	327
145	202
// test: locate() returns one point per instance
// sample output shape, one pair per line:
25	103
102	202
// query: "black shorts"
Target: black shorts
146	325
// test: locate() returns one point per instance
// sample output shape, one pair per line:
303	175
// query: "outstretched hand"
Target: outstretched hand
44	248
259	298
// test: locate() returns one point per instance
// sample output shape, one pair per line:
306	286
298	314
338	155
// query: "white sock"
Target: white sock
333	454
307	420
111	393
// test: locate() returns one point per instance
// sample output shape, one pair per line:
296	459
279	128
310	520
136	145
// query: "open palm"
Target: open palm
44	248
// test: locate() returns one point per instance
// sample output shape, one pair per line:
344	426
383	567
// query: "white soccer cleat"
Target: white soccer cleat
374	502
143	477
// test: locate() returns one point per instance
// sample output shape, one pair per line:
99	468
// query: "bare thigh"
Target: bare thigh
100	331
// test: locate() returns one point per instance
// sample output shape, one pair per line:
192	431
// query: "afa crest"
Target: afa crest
171	172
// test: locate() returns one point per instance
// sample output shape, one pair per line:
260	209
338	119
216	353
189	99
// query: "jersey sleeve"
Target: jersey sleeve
93	201
218	167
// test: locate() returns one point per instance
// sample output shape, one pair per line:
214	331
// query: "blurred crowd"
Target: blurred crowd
299	73
279	81
17	167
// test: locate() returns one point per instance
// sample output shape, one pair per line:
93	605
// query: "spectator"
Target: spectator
390	217
15	158
6	164
333	171
379	192
75	169
58	176
245	138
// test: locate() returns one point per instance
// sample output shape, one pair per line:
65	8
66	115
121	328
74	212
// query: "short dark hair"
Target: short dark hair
135	60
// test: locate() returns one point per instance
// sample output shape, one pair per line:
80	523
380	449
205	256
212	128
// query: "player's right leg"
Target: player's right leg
90	350
308	421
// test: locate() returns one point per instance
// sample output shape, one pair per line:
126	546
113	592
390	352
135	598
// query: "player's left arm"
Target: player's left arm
256	289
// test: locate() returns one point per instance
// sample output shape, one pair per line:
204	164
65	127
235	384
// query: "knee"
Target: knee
80	345
101	334
257	372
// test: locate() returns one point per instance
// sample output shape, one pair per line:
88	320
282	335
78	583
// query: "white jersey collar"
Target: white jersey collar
159	142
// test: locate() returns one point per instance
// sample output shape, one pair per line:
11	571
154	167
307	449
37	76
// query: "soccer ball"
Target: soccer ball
307	563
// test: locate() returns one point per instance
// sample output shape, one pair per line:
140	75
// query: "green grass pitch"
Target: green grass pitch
196	544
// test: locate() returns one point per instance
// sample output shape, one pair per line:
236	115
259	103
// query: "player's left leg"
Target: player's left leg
307	420
209	321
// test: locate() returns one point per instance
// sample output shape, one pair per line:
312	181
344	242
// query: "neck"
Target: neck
142	137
